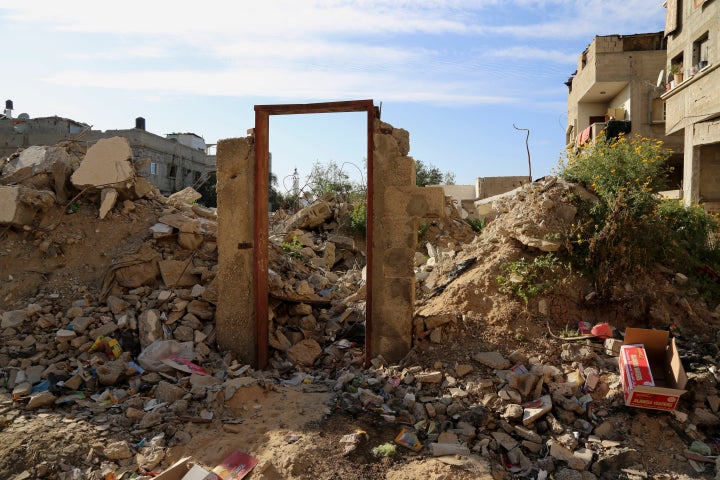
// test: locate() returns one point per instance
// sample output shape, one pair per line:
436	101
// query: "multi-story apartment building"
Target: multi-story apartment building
617	87
692	99
171	163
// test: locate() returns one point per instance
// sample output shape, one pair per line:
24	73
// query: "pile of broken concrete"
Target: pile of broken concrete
137	356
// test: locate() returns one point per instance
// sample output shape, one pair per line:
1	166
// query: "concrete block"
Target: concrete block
18	205
107	163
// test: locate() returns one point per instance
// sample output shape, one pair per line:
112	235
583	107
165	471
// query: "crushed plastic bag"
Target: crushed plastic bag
152	356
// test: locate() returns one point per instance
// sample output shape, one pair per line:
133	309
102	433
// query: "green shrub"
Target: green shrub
528	279
293	248
358	218
477	224
631	226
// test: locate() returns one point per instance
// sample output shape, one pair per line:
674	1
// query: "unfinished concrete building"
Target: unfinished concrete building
692	100
171	163
616	87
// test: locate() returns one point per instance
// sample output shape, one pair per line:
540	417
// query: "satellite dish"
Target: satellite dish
660	79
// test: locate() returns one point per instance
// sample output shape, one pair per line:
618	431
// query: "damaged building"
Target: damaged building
171	162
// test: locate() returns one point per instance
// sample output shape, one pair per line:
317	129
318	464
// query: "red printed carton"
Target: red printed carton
651	373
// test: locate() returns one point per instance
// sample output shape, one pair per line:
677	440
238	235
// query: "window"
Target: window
172	173
657	111
196	176
153	168
700	52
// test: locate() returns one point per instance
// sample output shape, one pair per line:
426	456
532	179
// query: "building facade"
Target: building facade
171	163
692	98
618	85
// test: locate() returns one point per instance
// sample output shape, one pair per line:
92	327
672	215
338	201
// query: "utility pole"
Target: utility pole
527	147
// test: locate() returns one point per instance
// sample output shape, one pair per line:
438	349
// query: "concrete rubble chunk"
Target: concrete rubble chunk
167	392
108	198
429	377
310	217
305	352
201	309
186	195
176	273
107	163
40	400
505	440
19	205
160	230
616	459
118	450
492	359
181	222
536	409
13	318
150	327
150	419
116	304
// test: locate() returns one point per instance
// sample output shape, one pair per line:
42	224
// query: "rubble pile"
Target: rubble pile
112	345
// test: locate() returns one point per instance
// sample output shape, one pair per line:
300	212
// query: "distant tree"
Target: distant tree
429	174
208	190
275	198
329	178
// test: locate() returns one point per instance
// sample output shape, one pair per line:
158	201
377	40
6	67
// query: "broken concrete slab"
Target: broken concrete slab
176	273
19	205
41	168
186	195
108	197
492	359
108	163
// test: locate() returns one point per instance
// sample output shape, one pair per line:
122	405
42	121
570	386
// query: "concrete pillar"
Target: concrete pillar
691	168
235	190
398	204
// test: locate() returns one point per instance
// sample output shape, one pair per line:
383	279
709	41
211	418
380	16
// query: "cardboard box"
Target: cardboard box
657	363
183	469
234	467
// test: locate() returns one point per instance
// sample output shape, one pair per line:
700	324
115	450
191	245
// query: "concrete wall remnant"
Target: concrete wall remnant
235	189
399	204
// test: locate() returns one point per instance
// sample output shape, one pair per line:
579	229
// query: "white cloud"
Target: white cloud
282	83
447	51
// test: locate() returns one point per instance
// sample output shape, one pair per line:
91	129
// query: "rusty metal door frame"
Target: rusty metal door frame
260	213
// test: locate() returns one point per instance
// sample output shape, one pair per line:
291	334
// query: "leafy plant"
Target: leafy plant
385	450
358	218
422	230
293	248
569	332
477	224
528	279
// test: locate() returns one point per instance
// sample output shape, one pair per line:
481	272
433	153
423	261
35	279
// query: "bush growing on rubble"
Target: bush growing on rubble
621	232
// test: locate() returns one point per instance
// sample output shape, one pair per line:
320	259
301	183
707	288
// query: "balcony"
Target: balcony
609	129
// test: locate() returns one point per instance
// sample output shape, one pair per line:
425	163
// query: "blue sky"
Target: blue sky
457	74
